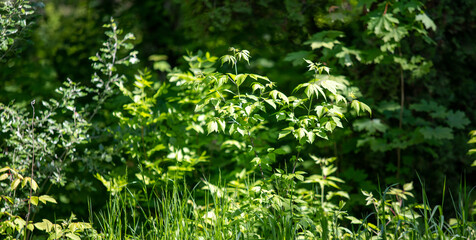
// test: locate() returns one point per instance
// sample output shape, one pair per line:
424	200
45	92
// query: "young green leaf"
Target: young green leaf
212	127
46	198
34	200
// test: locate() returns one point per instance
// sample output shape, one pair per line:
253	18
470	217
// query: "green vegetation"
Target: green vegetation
325	119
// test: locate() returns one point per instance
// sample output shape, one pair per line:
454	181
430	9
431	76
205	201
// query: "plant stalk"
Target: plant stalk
400	122
32	168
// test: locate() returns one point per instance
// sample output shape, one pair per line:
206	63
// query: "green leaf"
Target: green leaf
19	222
3	176
79	226
355	105
354	220
311	137
422	17
370	125
212	127
382	24
15	183
345	56
232	129
320	111
57	233
275	94
230	143
228	59
240	131
157	148
321	134
33	184
457	119
337	122
257	86
301	132
314	89
72	236
366	108
45	225
280	151
330	85
435	110
326	39
162	66
396	33
30	227
46	198
408	186
297	57
285	132
222	125
34	200
256	160
437	133
270	102
330	126
240	78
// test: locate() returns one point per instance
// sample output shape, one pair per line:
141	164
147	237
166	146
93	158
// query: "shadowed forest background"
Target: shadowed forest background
418	55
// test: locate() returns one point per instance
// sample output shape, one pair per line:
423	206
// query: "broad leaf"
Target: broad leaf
382	24
46	198
370	125
326	39
437	133
212	127
422	17
457	119
34	200
297	57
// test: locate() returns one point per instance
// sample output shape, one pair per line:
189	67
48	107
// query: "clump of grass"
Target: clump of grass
398	216
232	213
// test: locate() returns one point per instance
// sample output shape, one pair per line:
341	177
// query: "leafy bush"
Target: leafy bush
218	153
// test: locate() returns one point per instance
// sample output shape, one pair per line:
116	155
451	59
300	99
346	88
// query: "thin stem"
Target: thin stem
400	123
310	104
32	167
237	87
236	68
337	156
295	162
143	143
322	195
386	8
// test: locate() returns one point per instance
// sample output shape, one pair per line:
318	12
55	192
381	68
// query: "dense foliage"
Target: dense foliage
320	129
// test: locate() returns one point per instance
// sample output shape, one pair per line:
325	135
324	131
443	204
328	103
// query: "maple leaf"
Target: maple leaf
370	125
457	119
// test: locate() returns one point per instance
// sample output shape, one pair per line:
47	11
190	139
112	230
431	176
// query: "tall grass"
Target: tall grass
172	212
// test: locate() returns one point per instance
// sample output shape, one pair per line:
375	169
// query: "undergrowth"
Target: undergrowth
167	135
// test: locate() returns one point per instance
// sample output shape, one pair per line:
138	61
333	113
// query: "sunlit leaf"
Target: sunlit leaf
212	127
370	125
15	183
46	198
422	17
34	200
